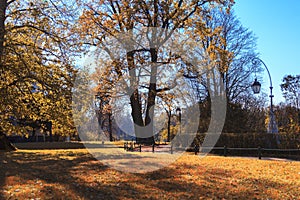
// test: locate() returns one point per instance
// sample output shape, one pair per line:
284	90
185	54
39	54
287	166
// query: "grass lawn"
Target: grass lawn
75	174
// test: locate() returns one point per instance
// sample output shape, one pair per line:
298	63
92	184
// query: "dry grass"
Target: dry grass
75	174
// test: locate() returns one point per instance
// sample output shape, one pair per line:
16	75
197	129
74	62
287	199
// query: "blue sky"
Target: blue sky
276	24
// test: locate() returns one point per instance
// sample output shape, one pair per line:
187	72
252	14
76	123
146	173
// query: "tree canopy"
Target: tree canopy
36	66
291	89
103	19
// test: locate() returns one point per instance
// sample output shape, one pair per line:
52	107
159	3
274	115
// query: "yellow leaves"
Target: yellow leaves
190	177
38	74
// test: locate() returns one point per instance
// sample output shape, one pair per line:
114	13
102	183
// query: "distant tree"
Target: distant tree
168	102
103	97
291	90
254	114
236	46
288	118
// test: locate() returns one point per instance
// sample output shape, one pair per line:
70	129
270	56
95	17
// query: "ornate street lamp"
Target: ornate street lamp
256	89
178	113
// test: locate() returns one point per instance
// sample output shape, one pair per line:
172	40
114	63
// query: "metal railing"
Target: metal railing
225	151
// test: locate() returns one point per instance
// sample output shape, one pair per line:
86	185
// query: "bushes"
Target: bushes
254	140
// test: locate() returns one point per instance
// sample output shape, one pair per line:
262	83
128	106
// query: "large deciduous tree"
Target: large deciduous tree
36	69
233	48
102	19
234	45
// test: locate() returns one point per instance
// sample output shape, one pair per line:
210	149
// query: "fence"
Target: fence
258	152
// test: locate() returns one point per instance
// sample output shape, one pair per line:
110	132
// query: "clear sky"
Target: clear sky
276	24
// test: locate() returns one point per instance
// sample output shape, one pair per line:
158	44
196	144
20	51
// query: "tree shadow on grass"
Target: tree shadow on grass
53	174
65	175
73	175
198	182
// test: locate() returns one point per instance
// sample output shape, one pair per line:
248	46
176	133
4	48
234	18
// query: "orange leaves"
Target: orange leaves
77	175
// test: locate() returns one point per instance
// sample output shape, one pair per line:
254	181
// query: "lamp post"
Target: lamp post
256	89
178	113
169	114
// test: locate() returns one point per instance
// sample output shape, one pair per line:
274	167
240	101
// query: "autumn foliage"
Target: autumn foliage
74	174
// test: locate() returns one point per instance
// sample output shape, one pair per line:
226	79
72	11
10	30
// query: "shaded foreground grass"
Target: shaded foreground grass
75	174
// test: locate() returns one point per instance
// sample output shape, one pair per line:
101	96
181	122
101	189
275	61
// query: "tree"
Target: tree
254	113
167	101
104	109
232	46
291	90
102	19
288	118
36	68
236	46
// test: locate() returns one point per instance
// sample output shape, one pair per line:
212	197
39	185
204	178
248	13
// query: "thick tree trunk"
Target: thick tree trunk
143	133
5	144
149	118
